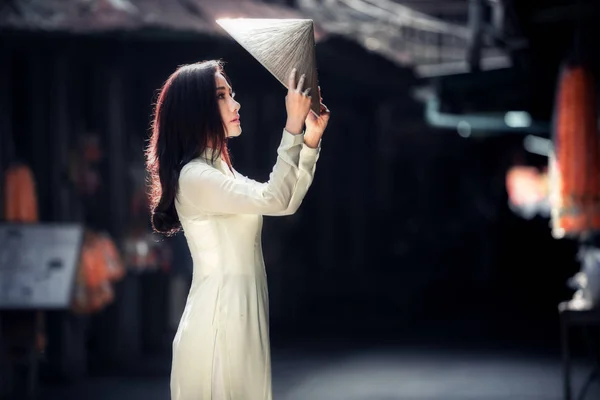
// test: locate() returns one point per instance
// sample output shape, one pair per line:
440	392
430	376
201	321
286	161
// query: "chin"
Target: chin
235	132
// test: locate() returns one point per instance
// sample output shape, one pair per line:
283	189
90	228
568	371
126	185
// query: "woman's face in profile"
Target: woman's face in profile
228	107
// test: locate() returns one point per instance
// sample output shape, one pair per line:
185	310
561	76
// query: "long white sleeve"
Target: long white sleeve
306	172
207	190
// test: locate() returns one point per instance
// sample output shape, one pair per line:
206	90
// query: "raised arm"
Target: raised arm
309	155
315	127
208	190
306	171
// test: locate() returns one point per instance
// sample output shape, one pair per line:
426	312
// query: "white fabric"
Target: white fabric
224	329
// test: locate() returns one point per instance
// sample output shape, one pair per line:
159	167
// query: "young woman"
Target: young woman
221	349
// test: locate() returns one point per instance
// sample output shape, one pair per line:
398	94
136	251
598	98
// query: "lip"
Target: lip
236	120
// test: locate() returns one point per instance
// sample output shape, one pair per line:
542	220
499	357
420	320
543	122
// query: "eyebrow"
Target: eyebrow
221	88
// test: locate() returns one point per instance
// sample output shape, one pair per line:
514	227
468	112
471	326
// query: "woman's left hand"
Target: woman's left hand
316	125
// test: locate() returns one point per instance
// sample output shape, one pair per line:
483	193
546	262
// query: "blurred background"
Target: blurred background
455	204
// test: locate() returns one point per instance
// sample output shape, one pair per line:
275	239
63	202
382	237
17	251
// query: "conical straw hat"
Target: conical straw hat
279	45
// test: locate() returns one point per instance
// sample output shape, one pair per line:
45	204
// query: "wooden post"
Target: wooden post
5	131
117	173
5	119
37	129
125	311
60	132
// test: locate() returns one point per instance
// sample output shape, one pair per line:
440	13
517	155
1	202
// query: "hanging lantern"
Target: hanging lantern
575	162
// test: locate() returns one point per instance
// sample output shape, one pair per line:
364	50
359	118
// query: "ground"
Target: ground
325	370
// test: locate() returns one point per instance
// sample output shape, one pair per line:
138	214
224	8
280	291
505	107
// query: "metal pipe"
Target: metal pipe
467	123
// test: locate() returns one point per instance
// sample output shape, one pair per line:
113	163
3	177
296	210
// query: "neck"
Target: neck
224	154
226	158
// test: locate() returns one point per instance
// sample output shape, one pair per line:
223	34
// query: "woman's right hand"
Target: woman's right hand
297	103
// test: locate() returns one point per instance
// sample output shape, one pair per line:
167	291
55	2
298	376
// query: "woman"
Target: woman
221	349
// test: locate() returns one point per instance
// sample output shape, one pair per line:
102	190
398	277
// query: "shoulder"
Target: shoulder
197	164
197	171
194	169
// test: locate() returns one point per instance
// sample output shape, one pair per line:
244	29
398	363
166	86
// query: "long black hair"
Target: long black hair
186	121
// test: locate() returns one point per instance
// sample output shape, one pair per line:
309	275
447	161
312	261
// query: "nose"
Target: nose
235	106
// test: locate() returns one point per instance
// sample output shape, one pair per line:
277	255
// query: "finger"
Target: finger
300	83
307	92
292	80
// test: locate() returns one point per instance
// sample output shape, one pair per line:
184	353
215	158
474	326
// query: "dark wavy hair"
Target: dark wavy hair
186	121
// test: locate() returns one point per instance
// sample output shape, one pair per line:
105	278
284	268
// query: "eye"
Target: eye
221	96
